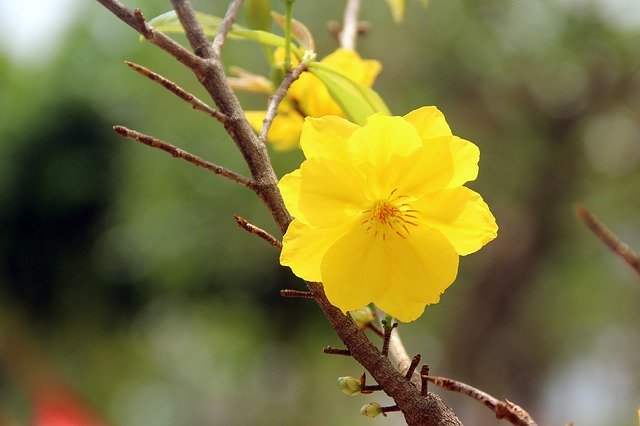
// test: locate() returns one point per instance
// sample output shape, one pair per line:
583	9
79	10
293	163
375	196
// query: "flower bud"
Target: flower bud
349	385
362	316
372	409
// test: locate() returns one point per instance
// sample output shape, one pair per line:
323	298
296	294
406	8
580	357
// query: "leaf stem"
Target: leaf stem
288	7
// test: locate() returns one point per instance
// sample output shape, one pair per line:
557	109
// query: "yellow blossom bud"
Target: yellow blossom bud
372	409
349	385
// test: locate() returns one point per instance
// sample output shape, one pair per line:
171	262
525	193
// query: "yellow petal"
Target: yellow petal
379	147
330	192
354	270
429	122
255	118
303	247
349	63
284	133
431	171
423	265
312	97
326	137
461	215
405	310
289	187
465	156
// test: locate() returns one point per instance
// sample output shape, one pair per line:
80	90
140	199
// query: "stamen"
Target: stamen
392	214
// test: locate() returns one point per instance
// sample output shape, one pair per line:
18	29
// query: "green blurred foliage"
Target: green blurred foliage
125	267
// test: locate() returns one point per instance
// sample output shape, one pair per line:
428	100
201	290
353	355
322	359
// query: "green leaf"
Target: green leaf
169	23
258	14
356	100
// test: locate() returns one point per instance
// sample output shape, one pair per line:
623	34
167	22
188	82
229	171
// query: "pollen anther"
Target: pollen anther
390	213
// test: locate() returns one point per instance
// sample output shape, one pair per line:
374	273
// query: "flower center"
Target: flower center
391	216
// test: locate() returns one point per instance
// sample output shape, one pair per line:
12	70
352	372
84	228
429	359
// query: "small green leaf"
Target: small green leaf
299	31
169	23
356	100
258	14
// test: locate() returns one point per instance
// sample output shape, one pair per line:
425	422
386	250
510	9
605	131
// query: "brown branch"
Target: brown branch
609	238
424	373
350	26
412	367
223	30
192	29
214	80
179	153
330	350
296	293
503	409
136	21
252	229
192	100
276	98
375	329
417	410
388	329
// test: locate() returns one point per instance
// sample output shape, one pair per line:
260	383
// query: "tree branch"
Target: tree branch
178	91
179	153
223	30
252	229
418	410
609	238
136	21
503	409
349	32
276	98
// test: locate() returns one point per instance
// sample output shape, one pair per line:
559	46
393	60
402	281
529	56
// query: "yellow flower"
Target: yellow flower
307	96
285	129
380	211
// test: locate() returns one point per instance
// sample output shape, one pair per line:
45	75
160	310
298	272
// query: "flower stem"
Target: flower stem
287	35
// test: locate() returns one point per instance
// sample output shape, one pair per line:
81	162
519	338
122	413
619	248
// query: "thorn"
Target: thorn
330	350
412	367
296	293
424	372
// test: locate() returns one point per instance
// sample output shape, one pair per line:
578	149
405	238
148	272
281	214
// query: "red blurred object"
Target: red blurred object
59	407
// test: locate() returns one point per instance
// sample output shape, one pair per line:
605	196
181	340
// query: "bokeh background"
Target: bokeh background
126	289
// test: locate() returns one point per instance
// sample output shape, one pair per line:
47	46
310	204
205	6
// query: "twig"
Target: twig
609	238
223	30
252	229
367	389
424	373
192	100
276	98
214	80
375	329
179	153
389	409
503	409
350	26
296	293
136	21
398	351
388	329
330	350
412	367
192	28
